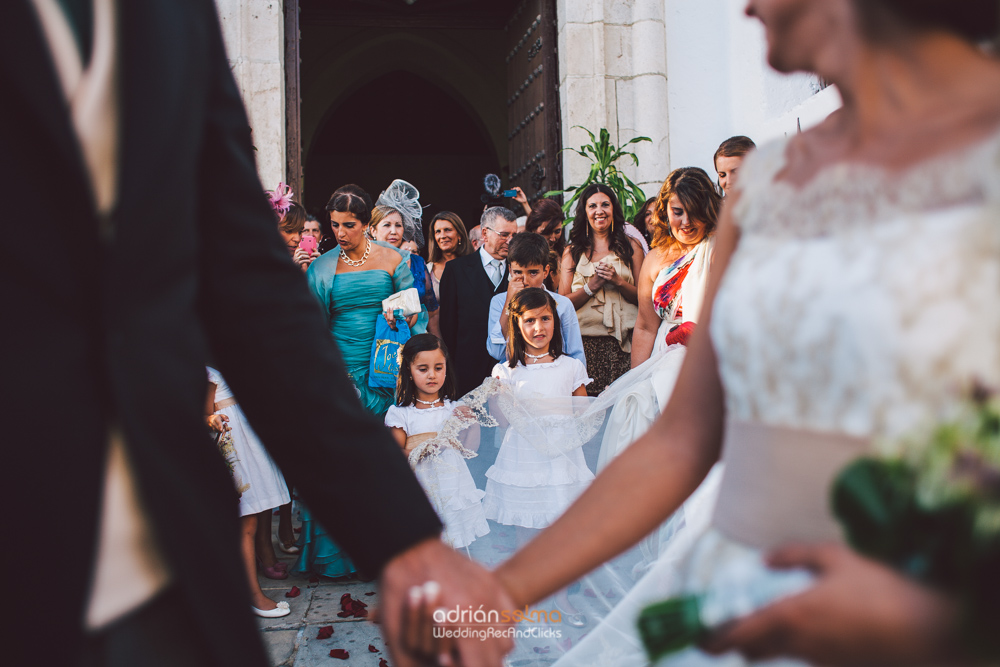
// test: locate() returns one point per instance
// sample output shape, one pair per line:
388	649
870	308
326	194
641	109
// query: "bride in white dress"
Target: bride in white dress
876	240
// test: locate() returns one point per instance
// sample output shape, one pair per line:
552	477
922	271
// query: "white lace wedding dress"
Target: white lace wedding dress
856	309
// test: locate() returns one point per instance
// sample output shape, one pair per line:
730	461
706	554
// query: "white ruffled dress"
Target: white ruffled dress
253	465
445	477
529	484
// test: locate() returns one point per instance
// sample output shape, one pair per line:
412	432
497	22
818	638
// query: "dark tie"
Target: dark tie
80	14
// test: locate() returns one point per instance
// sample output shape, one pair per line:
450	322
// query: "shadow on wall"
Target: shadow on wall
418	133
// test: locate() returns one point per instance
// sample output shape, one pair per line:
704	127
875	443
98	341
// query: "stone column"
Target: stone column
612	74
253	31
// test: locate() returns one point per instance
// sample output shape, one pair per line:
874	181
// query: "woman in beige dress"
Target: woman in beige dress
597	274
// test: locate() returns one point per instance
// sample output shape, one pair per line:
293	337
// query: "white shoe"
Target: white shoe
282	610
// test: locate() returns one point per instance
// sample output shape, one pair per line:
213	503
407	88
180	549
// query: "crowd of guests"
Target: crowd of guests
611	286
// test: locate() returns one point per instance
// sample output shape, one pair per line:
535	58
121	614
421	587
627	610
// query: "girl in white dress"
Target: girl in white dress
535	478
425	393
265	490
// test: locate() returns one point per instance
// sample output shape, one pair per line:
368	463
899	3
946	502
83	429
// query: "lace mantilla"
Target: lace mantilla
853	195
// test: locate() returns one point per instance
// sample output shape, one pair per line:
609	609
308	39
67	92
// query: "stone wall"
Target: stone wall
612	74
687	73
253	31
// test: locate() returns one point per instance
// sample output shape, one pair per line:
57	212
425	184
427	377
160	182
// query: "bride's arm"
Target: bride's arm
646	483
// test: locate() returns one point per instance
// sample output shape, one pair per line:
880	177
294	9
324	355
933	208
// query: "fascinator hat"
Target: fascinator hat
281	199
404	198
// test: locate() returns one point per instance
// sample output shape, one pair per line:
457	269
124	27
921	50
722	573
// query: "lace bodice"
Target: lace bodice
864	302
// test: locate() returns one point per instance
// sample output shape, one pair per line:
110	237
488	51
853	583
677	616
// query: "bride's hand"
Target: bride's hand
859	612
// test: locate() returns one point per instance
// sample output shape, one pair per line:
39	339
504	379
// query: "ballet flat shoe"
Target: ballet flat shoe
293	549
282	610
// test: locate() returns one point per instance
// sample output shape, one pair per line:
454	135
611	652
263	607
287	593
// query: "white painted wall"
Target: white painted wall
253	31
720	84
687	73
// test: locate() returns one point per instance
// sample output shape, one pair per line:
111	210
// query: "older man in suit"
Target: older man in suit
468	284
122	125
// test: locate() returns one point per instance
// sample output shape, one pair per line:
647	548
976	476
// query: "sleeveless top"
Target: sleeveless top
607	313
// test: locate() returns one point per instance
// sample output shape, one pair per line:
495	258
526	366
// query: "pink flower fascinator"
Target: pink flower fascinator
281	199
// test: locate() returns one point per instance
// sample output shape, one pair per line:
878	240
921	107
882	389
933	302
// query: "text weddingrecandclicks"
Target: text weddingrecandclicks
479	623
490	632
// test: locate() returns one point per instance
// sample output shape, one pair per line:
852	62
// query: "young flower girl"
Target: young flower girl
538	471
425	393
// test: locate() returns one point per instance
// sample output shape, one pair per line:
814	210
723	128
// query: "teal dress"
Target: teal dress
352	303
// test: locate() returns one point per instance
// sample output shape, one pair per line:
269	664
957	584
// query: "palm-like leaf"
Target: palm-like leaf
603	155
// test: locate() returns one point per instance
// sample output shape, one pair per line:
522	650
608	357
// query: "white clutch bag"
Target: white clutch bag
407	301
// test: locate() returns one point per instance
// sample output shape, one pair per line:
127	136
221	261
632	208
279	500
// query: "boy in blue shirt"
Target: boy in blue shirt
528	262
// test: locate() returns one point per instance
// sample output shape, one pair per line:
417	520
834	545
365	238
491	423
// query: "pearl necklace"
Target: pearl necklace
536	357
428	402
358	262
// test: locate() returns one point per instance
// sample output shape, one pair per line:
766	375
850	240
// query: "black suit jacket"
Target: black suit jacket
466	291
116	327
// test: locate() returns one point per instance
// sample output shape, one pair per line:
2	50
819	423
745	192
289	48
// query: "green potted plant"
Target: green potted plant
603	155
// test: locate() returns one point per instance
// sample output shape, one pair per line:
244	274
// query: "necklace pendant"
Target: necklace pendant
428	402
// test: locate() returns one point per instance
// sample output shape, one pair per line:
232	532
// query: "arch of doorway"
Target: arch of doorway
471	84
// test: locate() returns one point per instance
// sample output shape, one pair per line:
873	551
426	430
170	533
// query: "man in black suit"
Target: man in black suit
122	125
468	284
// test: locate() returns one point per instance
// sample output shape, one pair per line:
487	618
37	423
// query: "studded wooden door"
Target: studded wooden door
533	132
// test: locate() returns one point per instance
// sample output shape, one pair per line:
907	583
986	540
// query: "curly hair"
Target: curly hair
696	193
581	237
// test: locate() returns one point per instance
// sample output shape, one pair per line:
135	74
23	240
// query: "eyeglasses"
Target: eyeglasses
503	235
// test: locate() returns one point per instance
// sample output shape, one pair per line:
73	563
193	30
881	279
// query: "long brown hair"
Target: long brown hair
525	300
464	247
406	388
696	193
582	236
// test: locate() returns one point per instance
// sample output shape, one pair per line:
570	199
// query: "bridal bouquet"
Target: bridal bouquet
929	506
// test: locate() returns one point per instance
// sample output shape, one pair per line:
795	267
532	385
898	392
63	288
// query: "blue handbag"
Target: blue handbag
385	351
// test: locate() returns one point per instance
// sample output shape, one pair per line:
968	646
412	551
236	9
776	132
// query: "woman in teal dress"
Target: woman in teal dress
350	283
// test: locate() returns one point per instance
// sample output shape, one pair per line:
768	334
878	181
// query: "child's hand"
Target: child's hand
514	286
217	422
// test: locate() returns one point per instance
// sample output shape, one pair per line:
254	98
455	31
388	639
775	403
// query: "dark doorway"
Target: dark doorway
400	125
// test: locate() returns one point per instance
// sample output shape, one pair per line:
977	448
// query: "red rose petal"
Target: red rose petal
339	654
361	613
382	663
372	649
345	598
314	579
296	530
370	593
294	593
325	632
343	614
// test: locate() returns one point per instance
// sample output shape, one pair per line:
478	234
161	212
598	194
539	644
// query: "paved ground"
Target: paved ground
291	641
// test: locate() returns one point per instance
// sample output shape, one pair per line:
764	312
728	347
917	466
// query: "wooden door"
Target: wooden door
293	101
533	129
